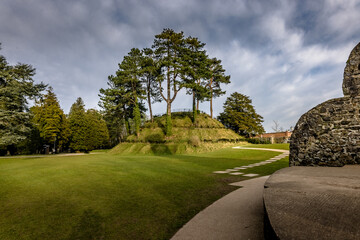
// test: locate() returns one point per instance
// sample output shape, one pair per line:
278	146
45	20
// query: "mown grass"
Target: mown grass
171	148
108	196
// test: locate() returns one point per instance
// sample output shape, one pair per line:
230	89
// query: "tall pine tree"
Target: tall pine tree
195	71
128	76
169	51
125	91
215	79
114	110
149	73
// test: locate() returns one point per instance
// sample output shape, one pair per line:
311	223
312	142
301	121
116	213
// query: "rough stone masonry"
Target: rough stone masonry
329	134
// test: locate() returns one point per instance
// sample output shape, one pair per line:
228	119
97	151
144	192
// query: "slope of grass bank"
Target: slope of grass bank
170	148
205	128
206	134
107	196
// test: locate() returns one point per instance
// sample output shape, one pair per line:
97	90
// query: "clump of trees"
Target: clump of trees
88	128
28	130
174	62
81	130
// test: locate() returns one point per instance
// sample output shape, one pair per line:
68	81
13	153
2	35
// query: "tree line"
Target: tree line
150	75
156	74
28	130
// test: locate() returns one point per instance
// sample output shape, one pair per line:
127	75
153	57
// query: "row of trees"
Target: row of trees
81	130
45	123
153	74
158	74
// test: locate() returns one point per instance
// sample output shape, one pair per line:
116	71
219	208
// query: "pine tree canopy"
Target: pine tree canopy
158	74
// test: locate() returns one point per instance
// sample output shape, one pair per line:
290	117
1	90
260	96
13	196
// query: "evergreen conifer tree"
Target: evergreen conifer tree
240	116
16	87
149	73
215	79
125	91
78	126
195	71
169	48
97	135
51	121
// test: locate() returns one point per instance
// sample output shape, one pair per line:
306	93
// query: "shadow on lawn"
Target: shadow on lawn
160	149
89	227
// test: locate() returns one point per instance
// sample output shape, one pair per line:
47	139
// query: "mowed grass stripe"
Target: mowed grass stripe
107	196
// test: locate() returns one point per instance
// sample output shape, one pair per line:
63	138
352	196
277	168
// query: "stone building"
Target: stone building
276	137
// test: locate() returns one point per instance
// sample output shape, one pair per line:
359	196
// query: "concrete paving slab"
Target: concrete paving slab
220	172
236	173
251	175
256	164
238	215
240	168
314	202
231	170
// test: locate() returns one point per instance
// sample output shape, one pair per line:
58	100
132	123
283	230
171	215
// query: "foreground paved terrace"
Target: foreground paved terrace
314	203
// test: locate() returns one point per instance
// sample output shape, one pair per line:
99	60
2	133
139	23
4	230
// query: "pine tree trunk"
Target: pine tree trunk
168	119
194	108
211	98
127	127
137	119
211	107
149	103
168	101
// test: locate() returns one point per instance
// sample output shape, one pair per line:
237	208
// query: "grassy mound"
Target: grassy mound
206	134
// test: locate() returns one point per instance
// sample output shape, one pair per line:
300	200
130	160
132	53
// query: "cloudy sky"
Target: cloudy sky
288	56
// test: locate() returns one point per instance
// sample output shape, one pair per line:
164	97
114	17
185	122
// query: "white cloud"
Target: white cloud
287	56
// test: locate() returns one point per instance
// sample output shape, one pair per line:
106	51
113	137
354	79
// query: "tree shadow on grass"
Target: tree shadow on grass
160	149
89	227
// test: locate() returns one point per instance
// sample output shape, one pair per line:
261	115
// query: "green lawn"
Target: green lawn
108	196
284	146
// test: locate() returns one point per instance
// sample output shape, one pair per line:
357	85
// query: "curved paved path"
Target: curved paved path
238	215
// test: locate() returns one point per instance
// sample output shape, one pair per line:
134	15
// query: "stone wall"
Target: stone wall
329	134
